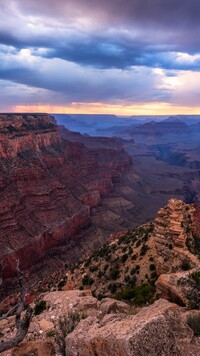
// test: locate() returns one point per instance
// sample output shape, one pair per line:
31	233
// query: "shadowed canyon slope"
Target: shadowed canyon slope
164	246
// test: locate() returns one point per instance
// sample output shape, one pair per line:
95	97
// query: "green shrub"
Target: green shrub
87	280
100	274
133	281
126	294
195	278
124	257
40	307
152	267
193	294
185	265
144	294
138	243
193	245
112	287
114	273
50	333
134	257
154	275
93	268
133	271
66	324
87	263
194	323
130	250
144	249
139	294
106	267
127	279
62	283
127	268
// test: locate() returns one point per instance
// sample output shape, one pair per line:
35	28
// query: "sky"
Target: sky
125	57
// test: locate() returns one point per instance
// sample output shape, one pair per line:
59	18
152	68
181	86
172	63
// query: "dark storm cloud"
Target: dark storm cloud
122	34
91	50
164	12
75	83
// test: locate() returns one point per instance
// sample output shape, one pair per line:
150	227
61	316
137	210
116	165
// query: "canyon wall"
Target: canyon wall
49	187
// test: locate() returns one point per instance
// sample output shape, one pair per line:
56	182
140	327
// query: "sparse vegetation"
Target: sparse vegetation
50	333
93	268
87	280
152	267
194	293
185	265
62	283
193	244
134	258
124	257
144	249
116	262
139	295
40	307
66	325
112	287
194	323
114	273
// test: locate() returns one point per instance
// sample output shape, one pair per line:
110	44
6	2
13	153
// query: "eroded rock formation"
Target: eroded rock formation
48	187
170	235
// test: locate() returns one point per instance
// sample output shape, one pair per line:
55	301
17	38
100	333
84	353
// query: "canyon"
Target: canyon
105	229
53	193
64	193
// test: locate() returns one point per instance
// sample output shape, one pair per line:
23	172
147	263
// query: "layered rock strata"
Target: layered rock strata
48	187
170	235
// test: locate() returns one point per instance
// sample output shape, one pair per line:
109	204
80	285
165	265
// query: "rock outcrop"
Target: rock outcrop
106	328
164	248
170	236
181	287
152	331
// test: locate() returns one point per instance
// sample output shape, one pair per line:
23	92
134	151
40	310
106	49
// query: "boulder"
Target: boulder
156	330
46	325
35	348
172	287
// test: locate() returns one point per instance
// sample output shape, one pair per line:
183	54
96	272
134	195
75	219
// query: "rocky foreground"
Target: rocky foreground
144	302
107	328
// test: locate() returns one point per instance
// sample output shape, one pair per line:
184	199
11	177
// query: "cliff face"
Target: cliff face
48	187
19	133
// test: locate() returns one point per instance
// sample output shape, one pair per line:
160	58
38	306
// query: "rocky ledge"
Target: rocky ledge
107	327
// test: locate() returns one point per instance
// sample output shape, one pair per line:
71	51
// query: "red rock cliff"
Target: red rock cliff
48	187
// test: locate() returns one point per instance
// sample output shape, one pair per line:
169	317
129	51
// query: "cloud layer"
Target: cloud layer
115	51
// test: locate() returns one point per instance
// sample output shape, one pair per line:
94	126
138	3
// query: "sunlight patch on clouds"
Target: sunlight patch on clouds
187	58
104	108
